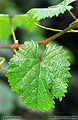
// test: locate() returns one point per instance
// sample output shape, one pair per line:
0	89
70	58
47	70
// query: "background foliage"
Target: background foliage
69	104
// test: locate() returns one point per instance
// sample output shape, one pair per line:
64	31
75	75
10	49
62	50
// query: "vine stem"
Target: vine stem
46	41
6	46
43	53
14	46
13	33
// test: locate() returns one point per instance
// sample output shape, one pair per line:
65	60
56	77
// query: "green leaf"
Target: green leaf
36	14
5	28
38	83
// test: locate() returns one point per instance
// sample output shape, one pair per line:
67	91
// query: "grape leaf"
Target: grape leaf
38	83
36	14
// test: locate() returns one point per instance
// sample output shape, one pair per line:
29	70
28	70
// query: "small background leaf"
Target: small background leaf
4	27
19	20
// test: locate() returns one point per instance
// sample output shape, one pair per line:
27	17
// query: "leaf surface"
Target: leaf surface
38	83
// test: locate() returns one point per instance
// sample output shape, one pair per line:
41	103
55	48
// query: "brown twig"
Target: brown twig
6	46
14	46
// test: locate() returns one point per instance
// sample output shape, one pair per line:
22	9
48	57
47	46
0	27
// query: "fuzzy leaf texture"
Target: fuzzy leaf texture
39	83
36	14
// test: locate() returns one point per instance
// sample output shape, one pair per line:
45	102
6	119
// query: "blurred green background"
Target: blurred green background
10	104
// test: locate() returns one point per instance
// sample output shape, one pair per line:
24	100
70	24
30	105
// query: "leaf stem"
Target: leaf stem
43	53
13	33
73	16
